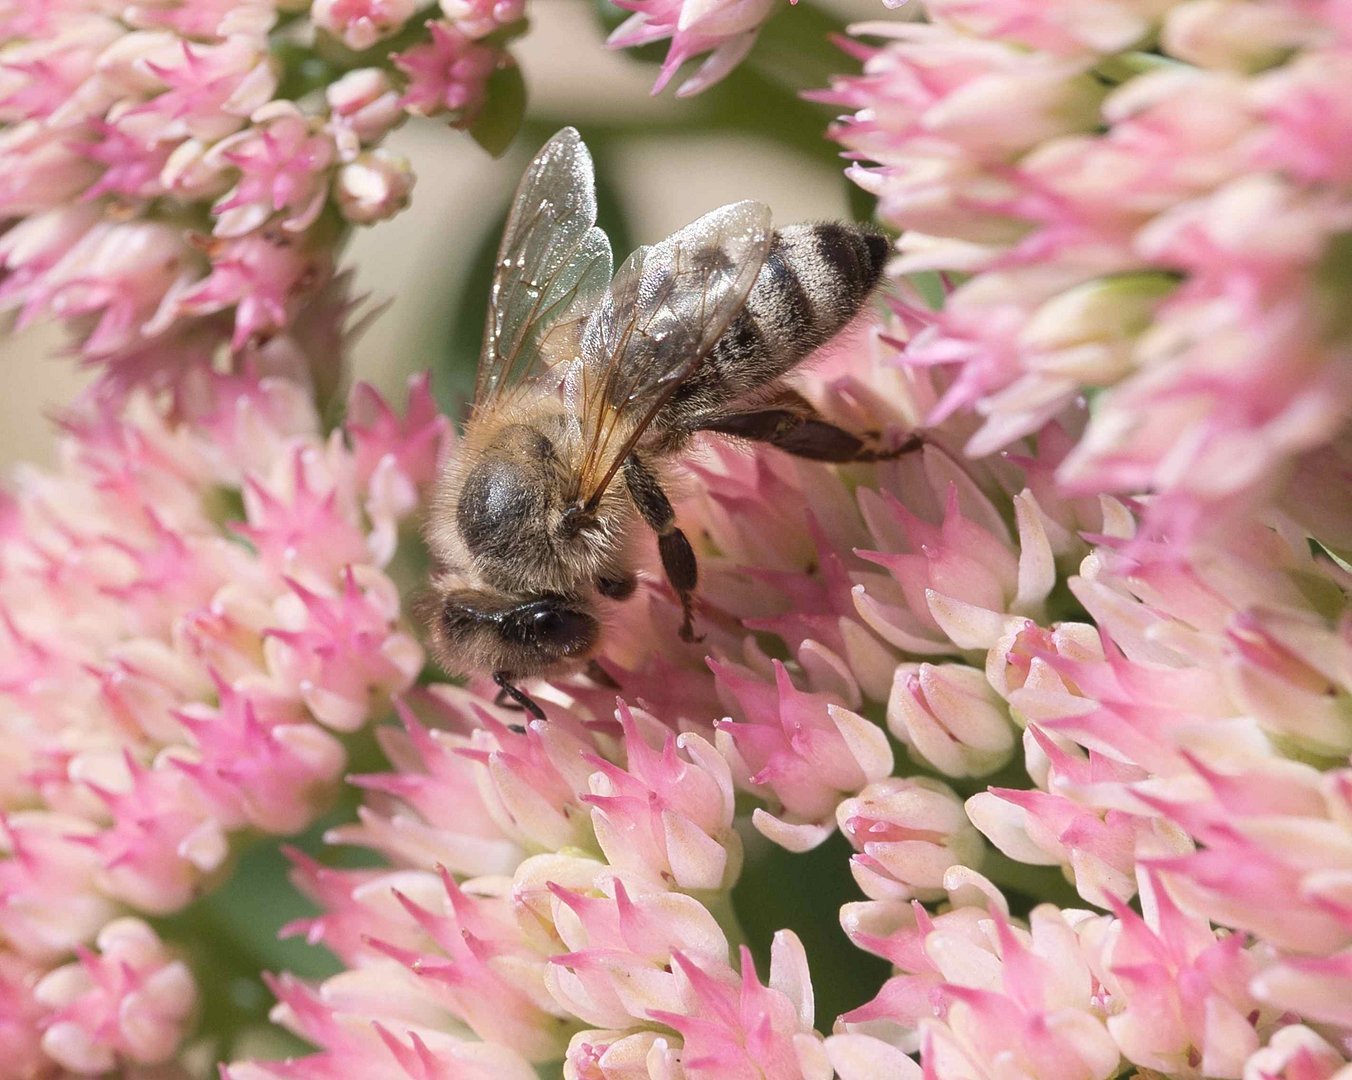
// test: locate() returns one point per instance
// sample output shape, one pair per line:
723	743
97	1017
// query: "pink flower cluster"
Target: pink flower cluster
192	615
1095	782
1191	746
540	907
1149	203
561	890
171	180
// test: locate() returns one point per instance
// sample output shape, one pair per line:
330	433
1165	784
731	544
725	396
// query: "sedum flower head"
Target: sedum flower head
1162	230
956	658
188	632
1105	712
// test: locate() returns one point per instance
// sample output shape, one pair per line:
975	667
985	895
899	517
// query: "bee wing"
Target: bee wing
666	308
552	263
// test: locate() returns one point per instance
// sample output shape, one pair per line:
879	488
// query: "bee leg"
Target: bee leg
678	557
507	690
800	430
678	560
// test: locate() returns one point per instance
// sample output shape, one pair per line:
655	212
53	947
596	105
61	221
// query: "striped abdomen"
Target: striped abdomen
814	281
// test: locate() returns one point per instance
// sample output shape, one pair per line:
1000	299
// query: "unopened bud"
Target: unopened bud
364	106
374	187
950	716
908	831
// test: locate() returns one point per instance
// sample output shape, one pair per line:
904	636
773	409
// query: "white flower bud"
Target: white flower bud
373	187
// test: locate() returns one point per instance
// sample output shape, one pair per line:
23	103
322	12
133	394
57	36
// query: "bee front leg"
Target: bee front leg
678	557
797	428
507	690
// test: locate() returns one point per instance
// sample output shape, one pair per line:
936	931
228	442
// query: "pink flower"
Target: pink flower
951	717
562	938
127	1004
20	1031
1182	997
564	887
489	983
744	1028
260	762
450	74
908	833
412	1048
479	18
619	964
1059	29
262	276
1314	986
153	706
373	186
115	278
363	108
1292	1053
321	636
408	448
47	885
724	28
208	91
800	748
361	23
666	812
281	167
167	118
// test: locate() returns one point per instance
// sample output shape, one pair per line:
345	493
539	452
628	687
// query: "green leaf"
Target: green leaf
796	48
500	119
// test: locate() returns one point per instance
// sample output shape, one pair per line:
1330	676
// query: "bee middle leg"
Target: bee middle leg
678	557
795	427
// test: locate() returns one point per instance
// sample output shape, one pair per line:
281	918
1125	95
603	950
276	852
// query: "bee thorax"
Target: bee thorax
503	502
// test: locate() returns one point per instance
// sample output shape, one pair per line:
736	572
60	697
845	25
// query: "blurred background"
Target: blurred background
662	161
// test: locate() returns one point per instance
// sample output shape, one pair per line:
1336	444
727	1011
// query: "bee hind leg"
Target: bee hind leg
512	696
797	428
678	557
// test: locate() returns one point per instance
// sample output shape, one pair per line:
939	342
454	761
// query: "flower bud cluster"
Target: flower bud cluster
177	176
549	896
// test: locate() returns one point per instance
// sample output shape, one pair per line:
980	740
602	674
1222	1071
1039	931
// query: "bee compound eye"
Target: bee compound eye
560	629
547	622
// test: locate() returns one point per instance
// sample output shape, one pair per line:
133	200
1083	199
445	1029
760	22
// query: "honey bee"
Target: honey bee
589	387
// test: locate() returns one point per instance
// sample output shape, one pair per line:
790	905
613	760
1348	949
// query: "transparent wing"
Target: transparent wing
666	308
552	263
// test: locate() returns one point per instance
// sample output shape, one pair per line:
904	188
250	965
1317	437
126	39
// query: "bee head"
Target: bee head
481	630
